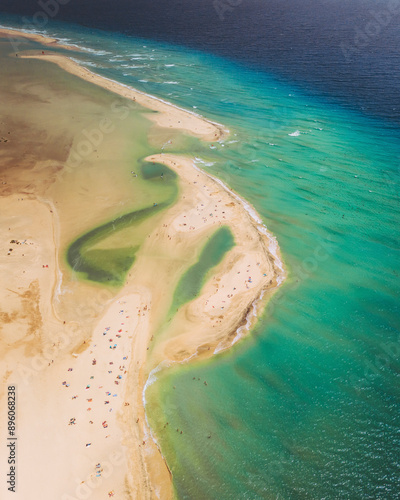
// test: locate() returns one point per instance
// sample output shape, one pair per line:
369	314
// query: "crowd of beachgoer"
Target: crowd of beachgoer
108	395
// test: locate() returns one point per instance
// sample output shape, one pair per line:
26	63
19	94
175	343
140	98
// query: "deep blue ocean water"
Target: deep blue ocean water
308	405
348	50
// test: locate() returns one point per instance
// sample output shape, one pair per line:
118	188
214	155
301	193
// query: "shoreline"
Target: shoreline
36	37
200	193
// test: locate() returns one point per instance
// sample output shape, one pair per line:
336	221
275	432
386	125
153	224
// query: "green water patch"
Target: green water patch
116	261
111	265
193	279
157	171
105	254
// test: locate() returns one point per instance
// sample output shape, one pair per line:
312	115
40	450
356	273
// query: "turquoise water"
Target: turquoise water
193	279
308	405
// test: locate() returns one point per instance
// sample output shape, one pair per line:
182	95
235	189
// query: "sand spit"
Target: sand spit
80	392
14	35
168	115
248	270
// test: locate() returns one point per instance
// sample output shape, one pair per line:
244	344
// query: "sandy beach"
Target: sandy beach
85	372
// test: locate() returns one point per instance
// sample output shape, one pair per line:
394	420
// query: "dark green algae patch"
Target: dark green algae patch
193	279
110	266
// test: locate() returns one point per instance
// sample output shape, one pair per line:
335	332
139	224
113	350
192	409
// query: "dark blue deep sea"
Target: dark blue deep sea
307	406
346	49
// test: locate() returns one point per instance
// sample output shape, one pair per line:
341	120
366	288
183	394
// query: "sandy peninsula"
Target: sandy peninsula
87	374
14	35
167	116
